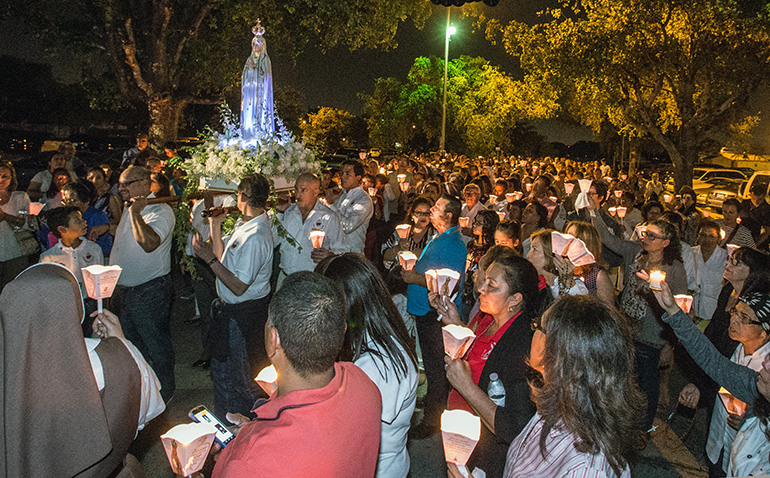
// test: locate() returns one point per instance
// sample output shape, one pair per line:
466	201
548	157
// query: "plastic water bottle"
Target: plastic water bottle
495	390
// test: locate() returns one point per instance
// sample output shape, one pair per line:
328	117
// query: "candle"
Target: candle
100	282
667	197
510	197
187	446
35	208
528	186
621	211
618	193
401	178
492	199
501	215
518	195
447	279
464	221
656	277
553	198
317	238
372	192
267	379
457	340
404	187
403	230
431	279
460	432
732	404
585	185
612	211
568	188
407	259
722	233
684	302
731	248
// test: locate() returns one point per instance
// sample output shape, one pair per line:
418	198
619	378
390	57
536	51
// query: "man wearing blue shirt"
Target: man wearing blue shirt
446	250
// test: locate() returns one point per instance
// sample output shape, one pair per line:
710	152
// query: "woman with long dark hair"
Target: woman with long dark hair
659	250
509	301
420	234
588	402
377	341
483	227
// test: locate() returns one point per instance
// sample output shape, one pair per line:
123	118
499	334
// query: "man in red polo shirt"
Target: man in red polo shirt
324	419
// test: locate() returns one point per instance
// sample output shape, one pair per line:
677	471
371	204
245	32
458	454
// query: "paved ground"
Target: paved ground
665	456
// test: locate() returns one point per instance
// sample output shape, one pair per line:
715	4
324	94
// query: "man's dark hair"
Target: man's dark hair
358	168
59	216
688	191
308	311
82	191
255	188
142	136
732	202
170	145
98	170
453	206
710	225
759	189
601	189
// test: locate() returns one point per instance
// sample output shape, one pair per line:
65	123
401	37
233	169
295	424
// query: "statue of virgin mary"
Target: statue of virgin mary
257	119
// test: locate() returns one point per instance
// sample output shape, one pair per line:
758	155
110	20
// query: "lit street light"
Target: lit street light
450	30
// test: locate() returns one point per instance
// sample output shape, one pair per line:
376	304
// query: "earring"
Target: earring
510	308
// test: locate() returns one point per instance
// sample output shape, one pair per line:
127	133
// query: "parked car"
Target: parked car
724	190
702	178
759	177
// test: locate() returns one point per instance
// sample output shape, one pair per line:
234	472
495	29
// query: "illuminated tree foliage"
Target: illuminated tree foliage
483	106
324	131
677	71
166	54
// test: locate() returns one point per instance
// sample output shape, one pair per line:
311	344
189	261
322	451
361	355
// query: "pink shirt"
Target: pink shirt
332	431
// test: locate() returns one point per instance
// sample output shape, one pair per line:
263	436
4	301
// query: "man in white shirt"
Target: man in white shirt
710	262
354	205
142	298
471	207
299	219
242	263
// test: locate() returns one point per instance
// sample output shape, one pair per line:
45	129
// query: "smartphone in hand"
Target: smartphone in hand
203	415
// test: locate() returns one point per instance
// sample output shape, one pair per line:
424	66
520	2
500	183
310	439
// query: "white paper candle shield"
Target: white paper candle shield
35	208
404	187
431	279
457	340
100	280
187	446
585	185
612	211
684	302
317	239
528	186
501	215
640	230
732	404
621	212
403	230
267	378
731	248
510	197
656	277
407	259
568	188
517	195
667	197
553	198
572	247
618	193
460	432
401	178
492	199
447	281
464	221
722	234
372	192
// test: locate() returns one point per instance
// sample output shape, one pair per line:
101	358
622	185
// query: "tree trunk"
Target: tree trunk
165	113
633	155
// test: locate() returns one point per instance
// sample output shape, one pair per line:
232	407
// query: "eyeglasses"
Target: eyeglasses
735	262
650	236
743	319
422	214
129	183
708	236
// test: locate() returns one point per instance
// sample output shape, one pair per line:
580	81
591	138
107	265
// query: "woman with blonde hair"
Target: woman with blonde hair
594	275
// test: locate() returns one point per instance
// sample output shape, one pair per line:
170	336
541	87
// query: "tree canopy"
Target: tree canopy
680	72
484	104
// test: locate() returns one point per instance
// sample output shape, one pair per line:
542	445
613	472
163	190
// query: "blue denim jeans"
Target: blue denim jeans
647	358
234	387
145	312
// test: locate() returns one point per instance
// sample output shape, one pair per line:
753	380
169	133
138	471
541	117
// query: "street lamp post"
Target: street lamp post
450	30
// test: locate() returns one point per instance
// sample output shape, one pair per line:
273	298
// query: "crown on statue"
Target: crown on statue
258	29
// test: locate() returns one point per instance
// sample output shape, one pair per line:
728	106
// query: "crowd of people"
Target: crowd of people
582	350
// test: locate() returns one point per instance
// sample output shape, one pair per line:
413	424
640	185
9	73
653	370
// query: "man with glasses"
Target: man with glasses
710	262
142	298
353	205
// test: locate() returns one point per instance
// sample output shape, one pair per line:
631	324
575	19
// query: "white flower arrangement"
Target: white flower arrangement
226	156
